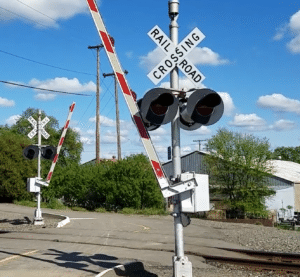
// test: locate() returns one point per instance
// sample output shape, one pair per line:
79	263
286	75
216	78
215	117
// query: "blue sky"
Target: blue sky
250	55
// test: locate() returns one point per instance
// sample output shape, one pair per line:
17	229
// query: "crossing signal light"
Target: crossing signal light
203	107
48	152
31	152
159	106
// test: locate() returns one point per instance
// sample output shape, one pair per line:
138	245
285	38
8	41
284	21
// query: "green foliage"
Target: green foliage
287	154
14	169
238	170
71	149
29	203
129	183
56	204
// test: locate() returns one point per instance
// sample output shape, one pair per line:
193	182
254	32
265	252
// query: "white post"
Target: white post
38	220
181	266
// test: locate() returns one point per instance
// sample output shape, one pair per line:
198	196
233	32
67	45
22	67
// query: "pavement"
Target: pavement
102	244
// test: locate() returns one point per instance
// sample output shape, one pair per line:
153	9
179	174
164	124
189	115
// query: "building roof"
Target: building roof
286	170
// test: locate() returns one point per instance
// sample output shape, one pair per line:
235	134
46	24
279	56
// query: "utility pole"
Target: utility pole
97	47
117	112
199	141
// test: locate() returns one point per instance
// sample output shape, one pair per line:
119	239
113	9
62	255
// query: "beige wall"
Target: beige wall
297	197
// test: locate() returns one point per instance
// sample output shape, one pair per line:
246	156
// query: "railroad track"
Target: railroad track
282	263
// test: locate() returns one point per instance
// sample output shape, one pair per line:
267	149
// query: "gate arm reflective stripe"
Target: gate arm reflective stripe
131	103
63	134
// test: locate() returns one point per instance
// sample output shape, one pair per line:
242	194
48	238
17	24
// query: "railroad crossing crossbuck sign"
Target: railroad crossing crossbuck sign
42	125
176	55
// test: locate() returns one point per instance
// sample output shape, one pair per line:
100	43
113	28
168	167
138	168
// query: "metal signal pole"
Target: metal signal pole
97	47
181	266
38	219
117	113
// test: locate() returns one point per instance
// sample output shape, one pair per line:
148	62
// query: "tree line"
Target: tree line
238	168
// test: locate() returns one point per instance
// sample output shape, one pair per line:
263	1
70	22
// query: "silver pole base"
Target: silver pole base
182	267
38	219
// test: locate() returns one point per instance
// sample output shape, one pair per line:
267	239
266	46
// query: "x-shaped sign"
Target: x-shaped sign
42	125
176	55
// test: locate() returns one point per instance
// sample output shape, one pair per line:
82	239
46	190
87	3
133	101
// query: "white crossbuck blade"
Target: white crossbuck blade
167	191
176	56
42	125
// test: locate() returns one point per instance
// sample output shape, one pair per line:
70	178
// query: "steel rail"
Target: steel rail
271	256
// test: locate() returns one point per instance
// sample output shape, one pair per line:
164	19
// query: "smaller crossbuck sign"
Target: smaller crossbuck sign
42	125
176	55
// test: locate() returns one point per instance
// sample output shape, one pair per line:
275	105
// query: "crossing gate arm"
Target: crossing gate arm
60	143
130	101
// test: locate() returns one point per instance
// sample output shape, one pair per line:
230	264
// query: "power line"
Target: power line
20	85
24	17
53	66
36	10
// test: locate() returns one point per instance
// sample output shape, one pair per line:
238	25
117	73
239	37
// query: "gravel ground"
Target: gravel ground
18	222
257	237
252	236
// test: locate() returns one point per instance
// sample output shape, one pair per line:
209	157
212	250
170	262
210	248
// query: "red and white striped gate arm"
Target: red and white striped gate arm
61	141
129	98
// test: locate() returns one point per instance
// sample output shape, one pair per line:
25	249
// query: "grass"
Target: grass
53	204
57	205
146	211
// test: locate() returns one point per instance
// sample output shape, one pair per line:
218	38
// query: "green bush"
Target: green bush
129	183
56	204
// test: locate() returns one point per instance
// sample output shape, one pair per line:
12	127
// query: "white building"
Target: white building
285	180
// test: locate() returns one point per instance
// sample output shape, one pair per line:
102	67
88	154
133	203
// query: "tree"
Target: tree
71	148
239	170
287	154
113	185
14	169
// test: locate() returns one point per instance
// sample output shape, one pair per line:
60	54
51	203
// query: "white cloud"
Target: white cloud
198	56
205	56
202	131
250	122
279	103
295	22
283	125
6	103
228	103
12	119
77	130
64	84
152	58
293	27
161	131
91	132
185	150
104	121
45	12
45	96
86	140
294	44
111	139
